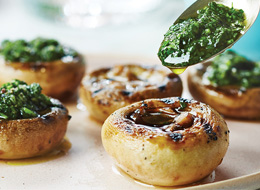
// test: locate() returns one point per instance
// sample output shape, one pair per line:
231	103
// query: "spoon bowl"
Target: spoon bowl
250	8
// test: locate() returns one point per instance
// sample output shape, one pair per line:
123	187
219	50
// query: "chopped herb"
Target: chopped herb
39	49
183	103
195	39
20	101
233	69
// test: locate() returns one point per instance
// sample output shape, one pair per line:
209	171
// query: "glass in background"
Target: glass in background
92	13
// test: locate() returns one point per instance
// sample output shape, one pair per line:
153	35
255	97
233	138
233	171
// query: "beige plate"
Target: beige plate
87	166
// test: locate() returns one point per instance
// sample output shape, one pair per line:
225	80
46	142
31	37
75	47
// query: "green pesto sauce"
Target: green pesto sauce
39	49
229	68
195	39
21	101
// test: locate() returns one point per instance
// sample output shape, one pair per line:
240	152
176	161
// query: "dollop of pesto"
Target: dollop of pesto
195	39
232	69
39	49
21	101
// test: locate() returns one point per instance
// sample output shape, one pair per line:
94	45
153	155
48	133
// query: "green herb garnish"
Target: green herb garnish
39	49
20	101
183	103
229	68
195	39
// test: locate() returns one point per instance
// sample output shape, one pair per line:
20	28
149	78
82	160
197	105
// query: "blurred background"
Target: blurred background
125	27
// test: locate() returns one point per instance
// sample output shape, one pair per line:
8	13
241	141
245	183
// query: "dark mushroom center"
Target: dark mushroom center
166	118
153	117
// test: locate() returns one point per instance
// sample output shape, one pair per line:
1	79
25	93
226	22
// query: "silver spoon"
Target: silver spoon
250	8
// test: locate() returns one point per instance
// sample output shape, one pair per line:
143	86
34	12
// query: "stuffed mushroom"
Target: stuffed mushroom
230	84
57	68
31	124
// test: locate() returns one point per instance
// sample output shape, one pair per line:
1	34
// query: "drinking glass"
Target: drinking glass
92	13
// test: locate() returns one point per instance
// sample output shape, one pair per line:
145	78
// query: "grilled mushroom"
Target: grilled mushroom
31	123
105	90
58	69
24	138
231	101
166	142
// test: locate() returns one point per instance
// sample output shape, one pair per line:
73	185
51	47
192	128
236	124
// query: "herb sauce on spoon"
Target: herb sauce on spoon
204	30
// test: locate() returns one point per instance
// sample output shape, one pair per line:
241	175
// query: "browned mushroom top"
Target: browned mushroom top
128	80
183	122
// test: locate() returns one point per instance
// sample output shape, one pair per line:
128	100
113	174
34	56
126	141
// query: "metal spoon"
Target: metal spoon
250	8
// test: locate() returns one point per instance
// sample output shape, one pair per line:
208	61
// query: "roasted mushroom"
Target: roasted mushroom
31	124
58	69
166	142
105	90
230	84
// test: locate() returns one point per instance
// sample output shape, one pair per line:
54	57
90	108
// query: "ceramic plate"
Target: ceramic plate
87	166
